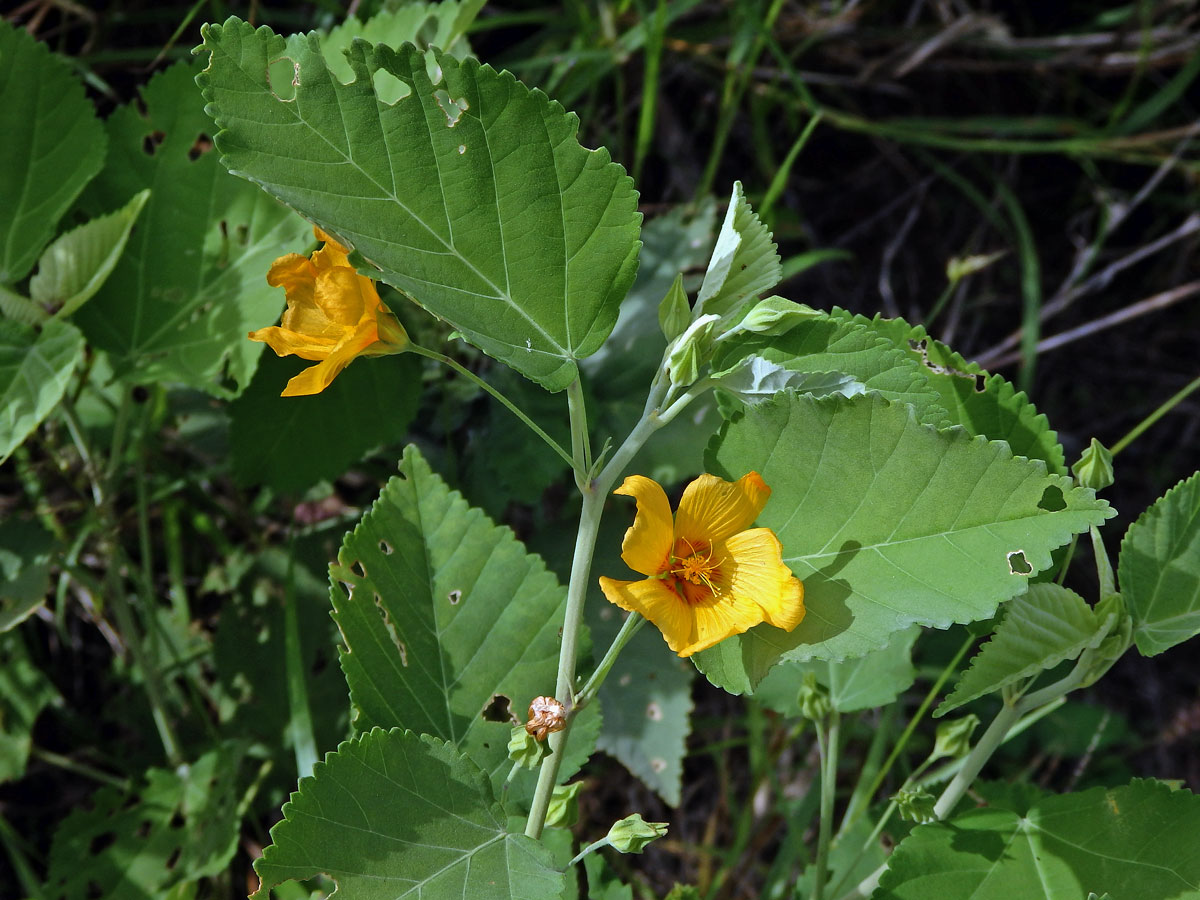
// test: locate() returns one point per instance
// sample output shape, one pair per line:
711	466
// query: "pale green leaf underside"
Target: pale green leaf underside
446	611
982	403
854	684
1041	628
888	523
472	195
35	367
1135	842
192	280
52	145
745	262
1159	570
73	268
394	815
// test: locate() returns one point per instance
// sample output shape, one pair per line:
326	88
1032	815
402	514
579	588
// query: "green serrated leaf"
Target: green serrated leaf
24	692
825	347
172	827
854	684
888	523
53	145
1136	841
395	815
451	628
982	403
744	264
1159	569
73	268
1040	629
472	195
27	551
192	280
35	367
291	443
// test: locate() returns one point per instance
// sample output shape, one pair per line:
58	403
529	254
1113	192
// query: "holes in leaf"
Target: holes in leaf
452	109
1052	499
432	69
94	891
283	77
101	842
1018	564
361	572
403	653
152	141
143	830
454	597
347	587
657	764
499	709
389	89
385	548
654	712
201	145
173	859
177	820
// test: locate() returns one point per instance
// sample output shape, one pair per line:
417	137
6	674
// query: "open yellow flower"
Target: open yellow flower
333	315
708	574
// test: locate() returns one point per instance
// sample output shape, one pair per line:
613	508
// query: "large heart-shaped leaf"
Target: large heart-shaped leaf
470	193
888	522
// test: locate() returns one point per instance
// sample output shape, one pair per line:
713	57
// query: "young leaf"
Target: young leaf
854	684
35	367
888	523
471	195
1159	569
24	692
192	280
396	815
744	264
27	551
1043	627
53	145
291	443
73	268
982	403
173	827
451	628
1133	841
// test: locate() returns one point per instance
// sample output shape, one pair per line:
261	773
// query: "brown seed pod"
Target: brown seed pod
546	715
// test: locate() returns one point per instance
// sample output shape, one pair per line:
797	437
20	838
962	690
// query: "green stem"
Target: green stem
581	443
1170	404
590	848
827	743
71	765
976	759
632	625
300	723
75	427
508	404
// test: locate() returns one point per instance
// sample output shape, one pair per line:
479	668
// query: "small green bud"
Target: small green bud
524	749
563	810
692	350
1114	644
633	833
683	892
915	805
954	737
813	698
674	311
773	315
959	267
1095	467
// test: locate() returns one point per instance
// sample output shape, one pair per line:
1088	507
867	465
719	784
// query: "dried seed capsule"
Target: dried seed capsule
546	715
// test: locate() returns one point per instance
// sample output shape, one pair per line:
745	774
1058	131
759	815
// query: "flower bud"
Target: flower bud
1095	467
813	699
773	315
546	715
633	833
915	805
954	737
674	311
563	810
691	351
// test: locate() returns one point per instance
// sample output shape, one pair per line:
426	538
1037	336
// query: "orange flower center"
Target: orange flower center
692	572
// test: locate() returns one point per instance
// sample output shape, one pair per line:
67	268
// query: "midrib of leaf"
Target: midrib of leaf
502	296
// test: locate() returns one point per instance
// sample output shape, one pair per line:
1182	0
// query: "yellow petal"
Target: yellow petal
286	342
720	617
755	574
332	254
647	544
316	378
658	603
344	296
712	509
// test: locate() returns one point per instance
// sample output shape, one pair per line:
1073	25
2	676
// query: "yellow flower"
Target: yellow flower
709	575
333	315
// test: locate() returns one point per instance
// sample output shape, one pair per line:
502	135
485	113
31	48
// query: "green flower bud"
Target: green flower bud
691	351
1095	467
773	315
633	833
959	267
915	805
564	807
813	698
674	311
954	737
524	749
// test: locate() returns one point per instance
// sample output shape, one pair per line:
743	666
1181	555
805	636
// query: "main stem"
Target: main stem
829	754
